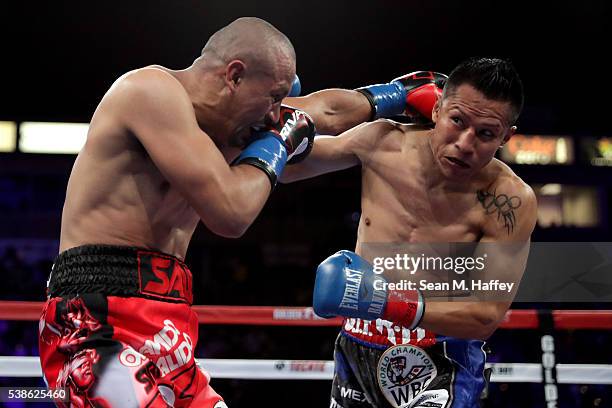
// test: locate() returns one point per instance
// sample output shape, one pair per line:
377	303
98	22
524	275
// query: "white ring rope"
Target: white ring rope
11	366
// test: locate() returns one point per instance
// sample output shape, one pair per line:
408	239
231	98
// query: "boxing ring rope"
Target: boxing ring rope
13	366
305	316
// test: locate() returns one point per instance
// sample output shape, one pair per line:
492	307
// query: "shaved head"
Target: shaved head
245	71
253	41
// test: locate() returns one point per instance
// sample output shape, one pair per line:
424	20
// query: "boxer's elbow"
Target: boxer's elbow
233	232
229	210
227	227
227	220
484	330
487	320
238	225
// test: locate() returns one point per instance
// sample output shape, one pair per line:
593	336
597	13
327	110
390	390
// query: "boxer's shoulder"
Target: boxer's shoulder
149	81
145	100
504	178
506	195
383	136
129	101
381	127
385	132
365	138
384	125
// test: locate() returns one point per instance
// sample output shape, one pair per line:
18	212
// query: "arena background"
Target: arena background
59	58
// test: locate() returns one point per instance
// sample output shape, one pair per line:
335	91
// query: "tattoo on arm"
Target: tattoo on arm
501	204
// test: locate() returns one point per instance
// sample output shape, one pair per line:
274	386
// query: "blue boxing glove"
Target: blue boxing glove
292	136
296	87
347	286
413	95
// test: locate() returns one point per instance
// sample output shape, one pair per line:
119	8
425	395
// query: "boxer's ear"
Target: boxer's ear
508	135
436	110
234	73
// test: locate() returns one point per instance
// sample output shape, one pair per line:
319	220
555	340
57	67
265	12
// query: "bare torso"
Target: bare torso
400	204
117	196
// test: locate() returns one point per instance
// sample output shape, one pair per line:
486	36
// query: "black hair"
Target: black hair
495	78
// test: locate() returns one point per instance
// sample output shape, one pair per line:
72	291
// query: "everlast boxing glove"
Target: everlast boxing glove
347	286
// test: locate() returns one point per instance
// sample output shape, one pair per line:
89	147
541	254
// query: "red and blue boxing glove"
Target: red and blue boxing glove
413	95
287	141
347	286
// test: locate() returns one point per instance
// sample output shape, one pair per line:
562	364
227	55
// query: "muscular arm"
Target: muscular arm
331	153
333	110
506	262
157	110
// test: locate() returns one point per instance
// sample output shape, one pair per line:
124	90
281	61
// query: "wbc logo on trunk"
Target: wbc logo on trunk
403	373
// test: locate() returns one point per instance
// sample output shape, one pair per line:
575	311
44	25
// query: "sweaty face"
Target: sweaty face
257	103
469	129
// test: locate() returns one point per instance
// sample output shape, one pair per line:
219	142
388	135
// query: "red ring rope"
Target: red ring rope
304	316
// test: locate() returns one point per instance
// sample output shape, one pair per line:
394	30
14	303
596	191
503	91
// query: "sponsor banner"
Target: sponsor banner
305	313
538	149
597	151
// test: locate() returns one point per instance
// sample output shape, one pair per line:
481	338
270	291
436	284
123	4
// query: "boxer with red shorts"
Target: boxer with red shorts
118	330
164	151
